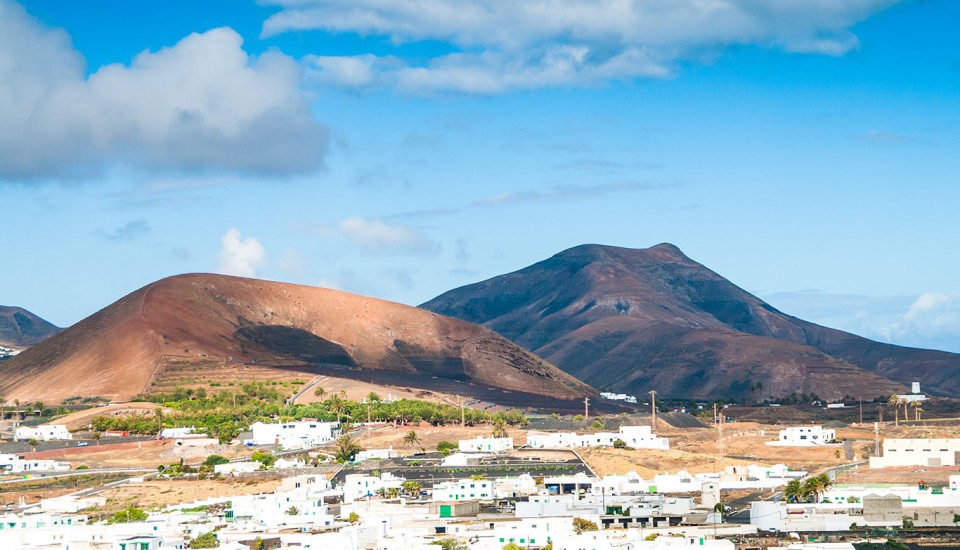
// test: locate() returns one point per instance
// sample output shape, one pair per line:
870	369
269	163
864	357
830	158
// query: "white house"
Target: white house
917	452
43	432
553	440
298	502
177	433
376	454
16	464
486	445
637	437
294	435
463	489
236	467
804	436
914	395
358	486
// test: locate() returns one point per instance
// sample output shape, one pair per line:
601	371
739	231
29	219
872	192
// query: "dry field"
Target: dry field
357	390
159	493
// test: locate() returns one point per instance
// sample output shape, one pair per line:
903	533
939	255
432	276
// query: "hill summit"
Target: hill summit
19	328
632	320
190	327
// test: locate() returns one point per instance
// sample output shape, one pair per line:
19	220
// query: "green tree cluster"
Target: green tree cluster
129	515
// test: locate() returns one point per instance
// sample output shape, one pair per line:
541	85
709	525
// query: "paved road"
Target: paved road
316	380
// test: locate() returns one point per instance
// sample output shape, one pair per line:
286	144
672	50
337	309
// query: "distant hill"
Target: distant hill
194	328
632	320
20	329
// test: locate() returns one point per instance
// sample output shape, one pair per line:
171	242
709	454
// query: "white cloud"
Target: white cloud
375	235
240	256
202	104
932	320
496	45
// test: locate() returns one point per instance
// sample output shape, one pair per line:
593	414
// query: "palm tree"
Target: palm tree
794	491
33	443
412	440
158	414
16	402
500	428
337	404
894	401
412	487
818	485
319	392
917	409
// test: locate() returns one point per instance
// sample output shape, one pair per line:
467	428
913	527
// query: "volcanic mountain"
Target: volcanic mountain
634	320
188	328
19	328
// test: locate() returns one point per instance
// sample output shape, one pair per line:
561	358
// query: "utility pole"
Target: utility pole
463	414
876	439
861	409
586	408
653	410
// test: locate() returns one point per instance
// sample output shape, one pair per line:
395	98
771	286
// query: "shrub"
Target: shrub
206	540
619	444
213	460
580	525
447	447
129	515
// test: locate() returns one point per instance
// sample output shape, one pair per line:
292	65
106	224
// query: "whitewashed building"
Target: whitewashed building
804	436
18	464
914	395
236	468
294	435
177	433
917	452
637	437
486	445
359	486
463	489
43	432
376	454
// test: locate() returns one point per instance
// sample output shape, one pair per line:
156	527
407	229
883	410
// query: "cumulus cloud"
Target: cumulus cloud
933	320
496	45
240	256
374	235
202	104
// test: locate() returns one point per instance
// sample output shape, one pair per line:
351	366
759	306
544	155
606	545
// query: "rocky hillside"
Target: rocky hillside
632	320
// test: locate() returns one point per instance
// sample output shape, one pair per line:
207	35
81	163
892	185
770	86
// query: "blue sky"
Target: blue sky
806	150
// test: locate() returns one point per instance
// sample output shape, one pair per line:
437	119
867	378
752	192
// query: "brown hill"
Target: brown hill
635	320
19	328
184	328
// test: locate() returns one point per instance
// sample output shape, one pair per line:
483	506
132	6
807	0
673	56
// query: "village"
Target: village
636	481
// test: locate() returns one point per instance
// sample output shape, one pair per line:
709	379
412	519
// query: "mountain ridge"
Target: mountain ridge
627	319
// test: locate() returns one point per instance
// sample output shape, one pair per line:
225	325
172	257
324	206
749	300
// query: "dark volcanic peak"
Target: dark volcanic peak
19	328
638	319
182	327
